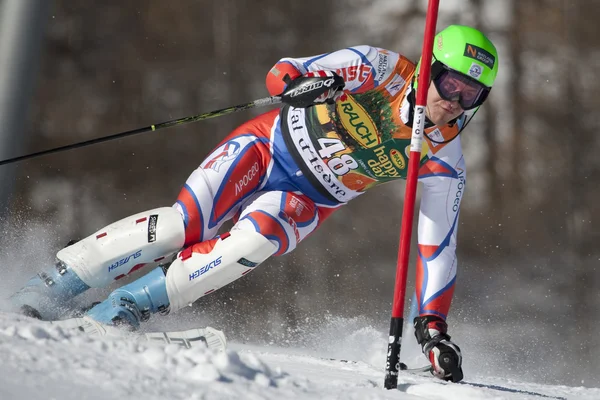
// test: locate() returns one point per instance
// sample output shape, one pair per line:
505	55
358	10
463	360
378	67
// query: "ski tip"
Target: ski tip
209	337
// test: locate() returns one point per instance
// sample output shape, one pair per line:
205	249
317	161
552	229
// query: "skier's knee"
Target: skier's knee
210	265
125	246
281	230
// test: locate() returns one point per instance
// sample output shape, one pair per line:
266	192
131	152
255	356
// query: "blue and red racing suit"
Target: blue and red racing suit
283	173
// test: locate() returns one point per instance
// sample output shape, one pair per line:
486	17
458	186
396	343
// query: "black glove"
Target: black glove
313	88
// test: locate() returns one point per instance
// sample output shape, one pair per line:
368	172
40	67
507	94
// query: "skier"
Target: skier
345	127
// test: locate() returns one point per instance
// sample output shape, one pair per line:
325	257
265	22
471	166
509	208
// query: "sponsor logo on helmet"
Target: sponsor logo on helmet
357	122
475	71
479	54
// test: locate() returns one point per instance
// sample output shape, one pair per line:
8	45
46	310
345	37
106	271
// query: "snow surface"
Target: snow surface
47	362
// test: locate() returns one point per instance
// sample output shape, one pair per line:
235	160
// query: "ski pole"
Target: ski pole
392	364
218	113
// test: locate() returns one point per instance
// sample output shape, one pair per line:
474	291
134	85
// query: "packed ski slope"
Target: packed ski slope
46	362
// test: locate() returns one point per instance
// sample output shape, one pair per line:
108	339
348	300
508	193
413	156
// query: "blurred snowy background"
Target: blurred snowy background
528	287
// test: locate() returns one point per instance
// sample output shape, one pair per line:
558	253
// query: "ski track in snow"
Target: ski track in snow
48	362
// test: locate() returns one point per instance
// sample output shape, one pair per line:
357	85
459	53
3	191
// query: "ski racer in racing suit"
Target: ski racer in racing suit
281	174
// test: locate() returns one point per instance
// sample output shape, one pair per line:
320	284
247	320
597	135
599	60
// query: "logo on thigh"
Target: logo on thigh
292	223
300	209
229	152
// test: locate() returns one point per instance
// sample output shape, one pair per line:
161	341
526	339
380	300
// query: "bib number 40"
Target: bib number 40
339	165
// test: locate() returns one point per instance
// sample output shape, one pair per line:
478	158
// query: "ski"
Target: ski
426	372
209	337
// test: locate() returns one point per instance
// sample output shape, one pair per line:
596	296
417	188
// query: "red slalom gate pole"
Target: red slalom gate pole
392	365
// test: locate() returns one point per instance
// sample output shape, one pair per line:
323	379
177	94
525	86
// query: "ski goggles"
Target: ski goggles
454	86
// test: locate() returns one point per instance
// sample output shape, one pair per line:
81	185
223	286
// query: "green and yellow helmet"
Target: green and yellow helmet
467	51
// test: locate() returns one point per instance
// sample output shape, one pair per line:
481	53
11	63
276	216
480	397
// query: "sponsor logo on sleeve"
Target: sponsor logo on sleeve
382	66
352	73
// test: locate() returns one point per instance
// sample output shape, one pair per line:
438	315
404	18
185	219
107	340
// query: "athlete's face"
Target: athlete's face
440	111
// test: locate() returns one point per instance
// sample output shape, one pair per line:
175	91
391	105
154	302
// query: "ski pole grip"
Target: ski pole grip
305	91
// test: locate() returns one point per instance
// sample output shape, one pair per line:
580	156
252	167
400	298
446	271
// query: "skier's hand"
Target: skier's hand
313	88
334	92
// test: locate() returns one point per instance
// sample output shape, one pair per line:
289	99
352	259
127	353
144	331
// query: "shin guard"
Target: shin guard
125	246
204	268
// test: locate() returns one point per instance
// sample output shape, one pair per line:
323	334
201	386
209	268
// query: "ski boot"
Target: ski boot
135	302
445	356
47	295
